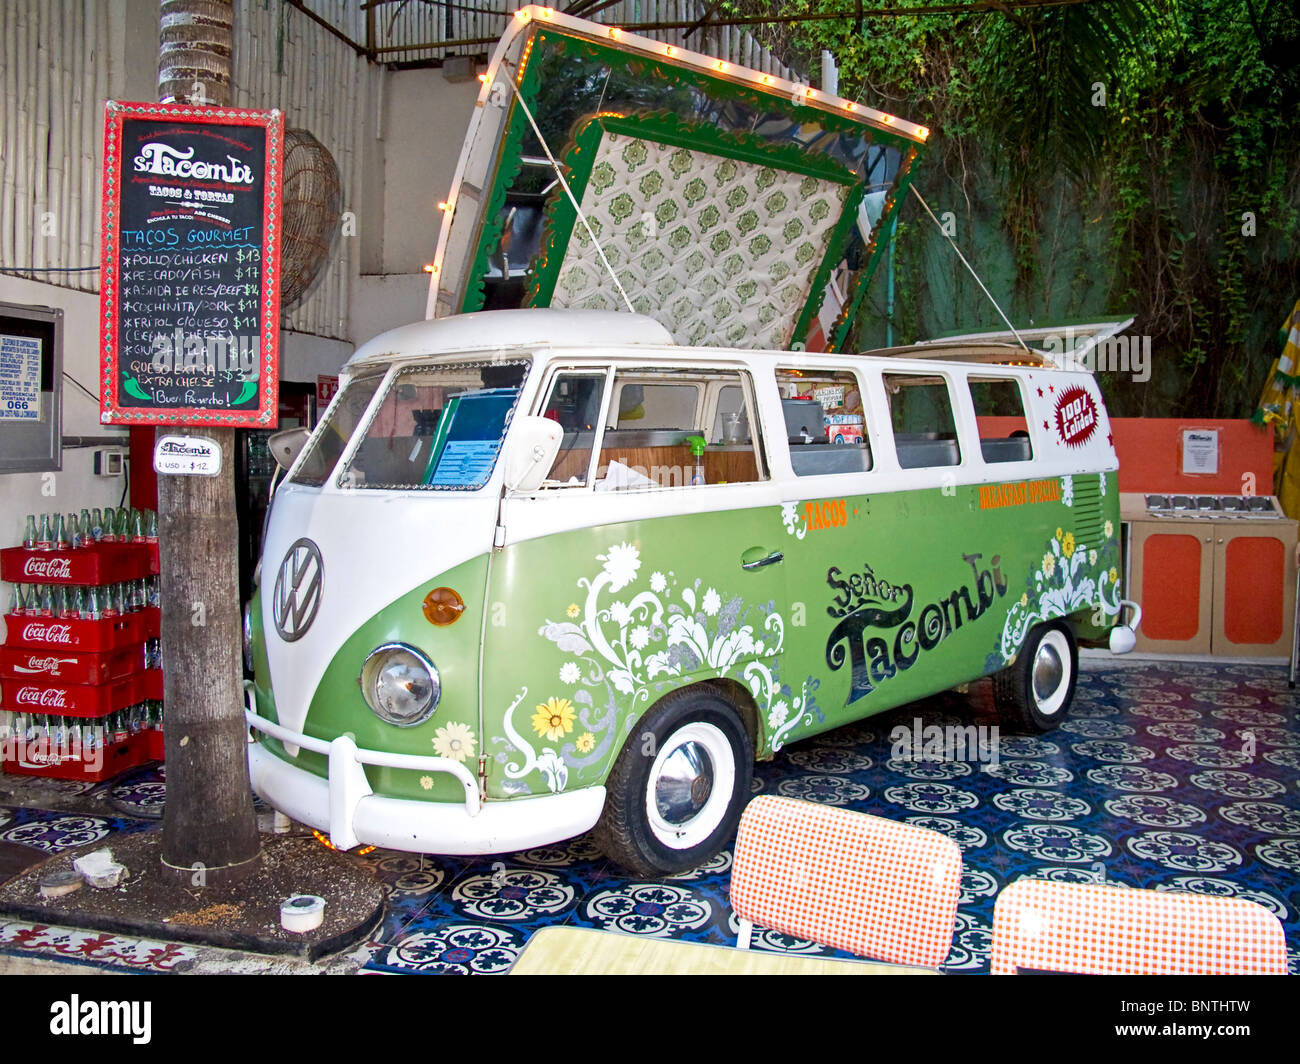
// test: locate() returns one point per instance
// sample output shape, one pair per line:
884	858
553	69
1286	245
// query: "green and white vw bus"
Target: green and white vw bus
500	606
574	564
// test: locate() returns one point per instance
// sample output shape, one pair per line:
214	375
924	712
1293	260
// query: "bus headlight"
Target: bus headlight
400	685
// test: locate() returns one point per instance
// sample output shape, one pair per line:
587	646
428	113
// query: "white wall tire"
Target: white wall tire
1036	692
677	790
690	785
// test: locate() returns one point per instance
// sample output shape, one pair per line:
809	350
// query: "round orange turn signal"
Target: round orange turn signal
442	606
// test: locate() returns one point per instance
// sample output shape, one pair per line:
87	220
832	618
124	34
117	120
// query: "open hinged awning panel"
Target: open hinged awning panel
730	204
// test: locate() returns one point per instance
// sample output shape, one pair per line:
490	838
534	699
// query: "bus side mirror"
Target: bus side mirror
286	445
532	452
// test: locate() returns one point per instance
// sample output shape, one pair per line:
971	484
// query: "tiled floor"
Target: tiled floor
1168	775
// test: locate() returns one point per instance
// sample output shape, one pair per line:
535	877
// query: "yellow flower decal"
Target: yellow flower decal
573	609
1049	565
1024	600
1110	530
586	743
1114	574
426	782
455	741
1067	544
554	718
1058	533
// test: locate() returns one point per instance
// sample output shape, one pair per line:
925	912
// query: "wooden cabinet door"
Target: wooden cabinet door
1254	588
1172	578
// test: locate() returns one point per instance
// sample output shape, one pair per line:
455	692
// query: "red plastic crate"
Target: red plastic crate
104	563
71	667
153	744
70	700
149	684
40	760
110	633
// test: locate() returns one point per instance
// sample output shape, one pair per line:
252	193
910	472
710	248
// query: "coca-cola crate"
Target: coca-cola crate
153	744
152	623
64	666
102	563
71	762
108	633
69	700
152	549
149	684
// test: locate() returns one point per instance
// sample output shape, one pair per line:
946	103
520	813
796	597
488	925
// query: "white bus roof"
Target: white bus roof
512	330
525	331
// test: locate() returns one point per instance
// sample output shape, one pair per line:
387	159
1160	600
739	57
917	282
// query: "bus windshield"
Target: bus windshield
333	434
437	428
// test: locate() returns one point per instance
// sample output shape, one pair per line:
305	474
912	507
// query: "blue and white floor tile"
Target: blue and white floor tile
1166	775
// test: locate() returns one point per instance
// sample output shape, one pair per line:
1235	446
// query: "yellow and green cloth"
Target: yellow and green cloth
1279	407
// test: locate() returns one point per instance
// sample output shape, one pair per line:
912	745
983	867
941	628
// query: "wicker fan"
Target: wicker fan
312	200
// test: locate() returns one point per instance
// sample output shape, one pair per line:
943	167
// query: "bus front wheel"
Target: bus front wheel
677	790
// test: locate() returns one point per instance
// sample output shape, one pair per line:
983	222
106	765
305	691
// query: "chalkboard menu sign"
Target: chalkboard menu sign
190	273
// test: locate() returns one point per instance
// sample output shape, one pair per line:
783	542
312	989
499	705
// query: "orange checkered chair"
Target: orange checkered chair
860	883
1040	925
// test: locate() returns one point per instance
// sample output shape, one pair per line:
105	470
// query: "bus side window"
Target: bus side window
1000	414
920	409
656	415
574	401
825	426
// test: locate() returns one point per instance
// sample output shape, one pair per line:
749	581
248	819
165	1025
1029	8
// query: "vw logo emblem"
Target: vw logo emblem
297	590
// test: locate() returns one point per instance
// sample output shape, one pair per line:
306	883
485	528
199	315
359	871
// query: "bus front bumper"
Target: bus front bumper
1123	637
347	809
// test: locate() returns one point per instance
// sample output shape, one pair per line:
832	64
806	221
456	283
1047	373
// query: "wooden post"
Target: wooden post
209	826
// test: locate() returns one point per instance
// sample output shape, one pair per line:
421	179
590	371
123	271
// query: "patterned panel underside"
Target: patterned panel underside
722	252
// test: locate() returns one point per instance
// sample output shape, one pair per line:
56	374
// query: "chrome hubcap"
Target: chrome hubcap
684	783
1049	671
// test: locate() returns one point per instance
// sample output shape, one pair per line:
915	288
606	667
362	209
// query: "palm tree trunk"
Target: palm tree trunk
209	827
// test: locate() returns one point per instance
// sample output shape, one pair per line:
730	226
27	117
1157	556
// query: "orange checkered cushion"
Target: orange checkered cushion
874	887
1104	930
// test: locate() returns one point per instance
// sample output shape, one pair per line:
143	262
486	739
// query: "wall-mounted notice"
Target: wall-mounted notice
327	386
31	388
20	378
1200	451
190	279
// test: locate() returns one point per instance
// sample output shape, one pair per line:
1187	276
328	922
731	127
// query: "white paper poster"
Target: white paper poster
1200	450
187	456
20	378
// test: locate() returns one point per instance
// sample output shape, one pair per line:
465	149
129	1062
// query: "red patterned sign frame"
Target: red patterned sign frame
176	117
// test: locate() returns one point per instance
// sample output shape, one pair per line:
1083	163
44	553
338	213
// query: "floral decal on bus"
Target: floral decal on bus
630	637
1071	576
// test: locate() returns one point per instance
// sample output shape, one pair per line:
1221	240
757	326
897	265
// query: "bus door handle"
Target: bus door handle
757	557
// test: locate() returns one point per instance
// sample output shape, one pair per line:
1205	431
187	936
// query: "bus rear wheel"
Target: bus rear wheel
677	790
1034	694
